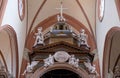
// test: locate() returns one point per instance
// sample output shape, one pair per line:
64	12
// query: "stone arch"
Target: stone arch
2	8
12	56
52	20
41	71
111	49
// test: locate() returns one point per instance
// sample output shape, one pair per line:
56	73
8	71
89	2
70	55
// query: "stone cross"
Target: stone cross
61	13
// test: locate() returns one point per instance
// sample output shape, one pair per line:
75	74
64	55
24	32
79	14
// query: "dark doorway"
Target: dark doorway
60	73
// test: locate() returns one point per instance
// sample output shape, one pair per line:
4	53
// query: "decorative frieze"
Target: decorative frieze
61	57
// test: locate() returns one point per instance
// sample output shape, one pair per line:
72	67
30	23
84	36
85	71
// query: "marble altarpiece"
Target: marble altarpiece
61	45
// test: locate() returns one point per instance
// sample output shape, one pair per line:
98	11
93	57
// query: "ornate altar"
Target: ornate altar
61	45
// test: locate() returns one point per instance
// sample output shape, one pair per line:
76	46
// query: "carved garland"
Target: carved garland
61	57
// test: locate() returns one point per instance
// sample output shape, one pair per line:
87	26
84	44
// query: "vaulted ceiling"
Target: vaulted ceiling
79	14
81	10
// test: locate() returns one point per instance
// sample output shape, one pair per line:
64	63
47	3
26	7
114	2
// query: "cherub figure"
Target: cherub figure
72	60
30	67
83	38
76	64
91	68
39	37
49	61
60	18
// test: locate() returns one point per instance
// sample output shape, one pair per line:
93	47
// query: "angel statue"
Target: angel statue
76	63
91	68
39	37
60	18
30	67
83	38
49	61
72	60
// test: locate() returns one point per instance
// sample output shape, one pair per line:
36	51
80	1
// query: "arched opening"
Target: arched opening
2	9
9	49
60	73
60	68
111	58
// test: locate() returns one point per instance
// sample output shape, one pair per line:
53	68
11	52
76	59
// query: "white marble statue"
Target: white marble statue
73	61
83	38
39	37
49	61
90	67
51	29
30	67
76	64
60	17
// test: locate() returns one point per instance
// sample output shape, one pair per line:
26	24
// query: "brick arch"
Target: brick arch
41	71
107	50
69	19
52	20
14	48
2	8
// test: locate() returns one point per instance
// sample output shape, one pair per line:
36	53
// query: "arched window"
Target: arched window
101	8
21	9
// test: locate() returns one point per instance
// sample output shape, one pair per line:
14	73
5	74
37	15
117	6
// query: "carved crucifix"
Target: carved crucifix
61	18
